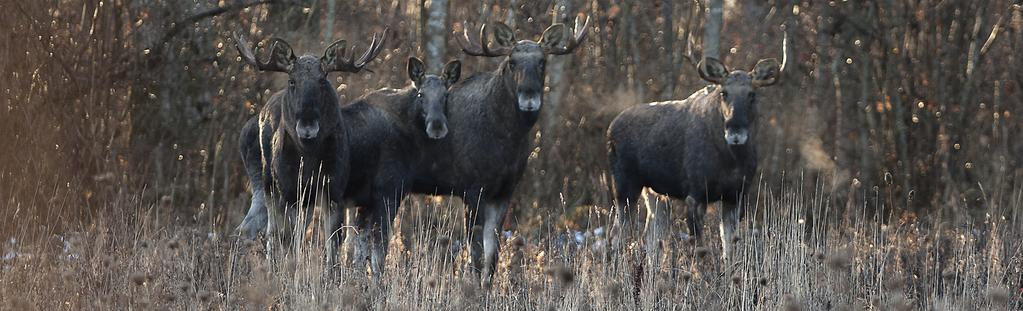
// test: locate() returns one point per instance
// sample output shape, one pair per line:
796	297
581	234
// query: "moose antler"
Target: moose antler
579	34
334	58
480	47
281	55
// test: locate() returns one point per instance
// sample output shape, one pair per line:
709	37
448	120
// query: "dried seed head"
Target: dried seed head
840	260
762	281
613	289
792	304
173	245
348	297
566	276
686	276
432	282
518	242
736	279
736	239
204	296
443	241
144	244
998	296
138	278
900	303
702	251
895	284
468	289
561	274
948	274
663	288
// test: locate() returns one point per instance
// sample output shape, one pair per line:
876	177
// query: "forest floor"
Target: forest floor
137	259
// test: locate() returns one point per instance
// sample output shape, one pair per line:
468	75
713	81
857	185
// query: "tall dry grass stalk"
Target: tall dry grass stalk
139	260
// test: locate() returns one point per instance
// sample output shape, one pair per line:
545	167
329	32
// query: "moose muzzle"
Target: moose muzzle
307	129
736	137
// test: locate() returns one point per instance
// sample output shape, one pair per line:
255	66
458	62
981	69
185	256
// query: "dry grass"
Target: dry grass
139	259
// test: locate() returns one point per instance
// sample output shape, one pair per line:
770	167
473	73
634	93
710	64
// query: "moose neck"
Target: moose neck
406	108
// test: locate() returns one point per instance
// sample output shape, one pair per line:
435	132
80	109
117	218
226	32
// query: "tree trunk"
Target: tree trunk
328	21
436	49
668	37
712	29
631	47
510	20
556	69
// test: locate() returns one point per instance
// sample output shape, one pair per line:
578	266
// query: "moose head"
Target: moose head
526	59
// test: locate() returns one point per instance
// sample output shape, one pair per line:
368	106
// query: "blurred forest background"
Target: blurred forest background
906	105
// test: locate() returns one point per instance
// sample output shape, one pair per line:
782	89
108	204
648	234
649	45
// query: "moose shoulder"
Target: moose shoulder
701	149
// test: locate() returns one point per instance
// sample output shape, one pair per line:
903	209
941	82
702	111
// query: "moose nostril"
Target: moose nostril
436	129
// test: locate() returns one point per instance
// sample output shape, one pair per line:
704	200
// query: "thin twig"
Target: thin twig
178	26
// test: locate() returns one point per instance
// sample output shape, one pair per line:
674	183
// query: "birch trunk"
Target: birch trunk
436	49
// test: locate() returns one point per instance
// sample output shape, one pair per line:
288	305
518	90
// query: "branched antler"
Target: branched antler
578	35
335	58
477	46
281	54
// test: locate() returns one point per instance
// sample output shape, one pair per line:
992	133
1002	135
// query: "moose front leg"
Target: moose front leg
694	216
730	212
657	220
493	213
256	218
278	231
332	219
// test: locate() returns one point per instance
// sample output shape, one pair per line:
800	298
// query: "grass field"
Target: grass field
144	259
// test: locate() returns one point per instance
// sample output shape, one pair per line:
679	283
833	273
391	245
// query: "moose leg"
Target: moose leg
255	218
332	217
626	196
694	216
474	231
357	239
383	217
657	220
278	231
493	218
729	218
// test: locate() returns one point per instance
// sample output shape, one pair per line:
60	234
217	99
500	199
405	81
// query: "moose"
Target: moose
393	127
386	129
491	115
700	149
303	143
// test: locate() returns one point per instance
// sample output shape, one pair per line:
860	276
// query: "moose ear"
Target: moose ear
503	35
712	70
766	72
452	71
281	54
551	37
416	71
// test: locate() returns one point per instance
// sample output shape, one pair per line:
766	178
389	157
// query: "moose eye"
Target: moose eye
752	97
291	82
419	95
724	95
